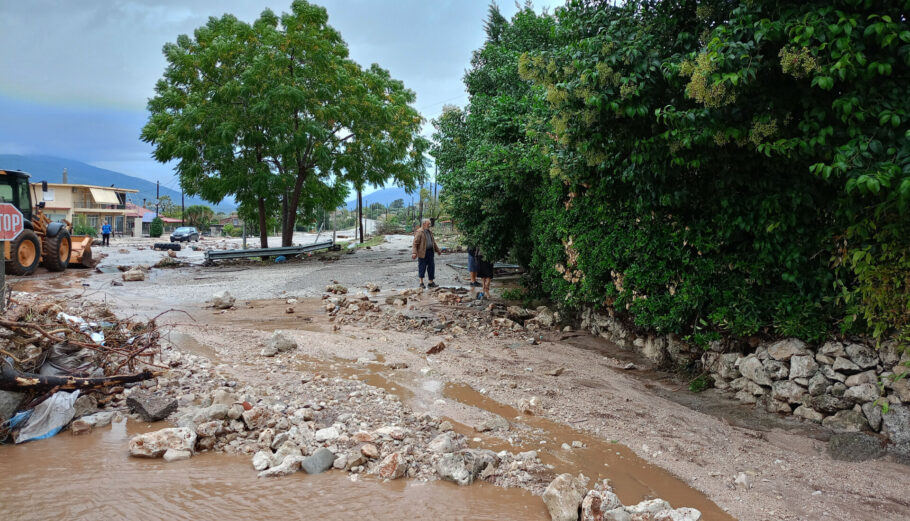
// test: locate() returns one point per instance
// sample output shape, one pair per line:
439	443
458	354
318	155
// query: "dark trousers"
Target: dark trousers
427	265
105	239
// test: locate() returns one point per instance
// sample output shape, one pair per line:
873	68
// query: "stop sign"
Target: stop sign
10	222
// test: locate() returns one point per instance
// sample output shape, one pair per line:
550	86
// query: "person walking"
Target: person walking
472	265
485	272
105	234
425	250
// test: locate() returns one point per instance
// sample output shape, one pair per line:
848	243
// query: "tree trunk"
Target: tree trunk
287	232
13	380
263	231
360	213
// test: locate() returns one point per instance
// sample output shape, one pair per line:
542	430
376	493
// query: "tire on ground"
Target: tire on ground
25	254
57	251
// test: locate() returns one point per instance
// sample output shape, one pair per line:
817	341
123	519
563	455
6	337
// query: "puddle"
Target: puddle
43	281
92	477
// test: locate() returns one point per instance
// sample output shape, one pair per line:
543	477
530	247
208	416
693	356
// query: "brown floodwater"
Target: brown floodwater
92	477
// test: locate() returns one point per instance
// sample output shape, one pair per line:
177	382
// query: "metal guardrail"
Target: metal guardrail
213	255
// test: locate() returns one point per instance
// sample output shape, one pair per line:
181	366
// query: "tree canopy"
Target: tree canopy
277	115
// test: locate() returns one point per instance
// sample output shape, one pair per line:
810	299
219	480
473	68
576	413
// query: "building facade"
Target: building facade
89	205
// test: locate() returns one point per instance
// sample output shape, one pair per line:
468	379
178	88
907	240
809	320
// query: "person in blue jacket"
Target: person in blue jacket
105	234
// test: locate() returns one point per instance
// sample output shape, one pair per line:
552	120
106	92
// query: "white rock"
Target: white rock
563	497
262	460
155	444
177	455
223	300
327	434
679	514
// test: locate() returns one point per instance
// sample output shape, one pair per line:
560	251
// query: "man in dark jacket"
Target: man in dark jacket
424	251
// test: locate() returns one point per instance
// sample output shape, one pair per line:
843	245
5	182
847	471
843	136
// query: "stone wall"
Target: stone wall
843	385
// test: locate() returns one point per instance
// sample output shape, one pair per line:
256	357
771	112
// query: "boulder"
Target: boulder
327	434
727	366
846	421
151	407
855	446
496	423
827	403
649	507
873	414
80	427
824	359
679	514
262	460
563	497
866	377
808	413
902	389
802	366
223	300
463	467
752	368
280	342
845	365
320	461
518	313
776	370
222	397
290	465
832	349
788	391
829	372
861	355
85	404
896	426
746	385
269	351
9	404
818	384
785	349
442	444
177	455
392	466
545	317
597	502
369	450
133	275
862	393
255	418
99	419
155	444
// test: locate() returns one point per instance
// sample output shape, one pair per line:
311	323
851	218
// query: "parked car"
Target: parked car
185	233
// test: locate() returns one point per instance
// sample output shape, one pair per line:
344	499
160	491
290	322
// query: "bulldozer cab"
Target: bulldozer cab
14	189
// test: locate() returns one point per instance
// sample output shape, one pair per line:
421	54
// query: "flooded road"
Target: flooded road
91	477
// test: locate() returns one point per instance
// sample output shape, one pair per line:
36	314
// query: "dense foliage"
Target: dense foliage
156	227
715	167
275	114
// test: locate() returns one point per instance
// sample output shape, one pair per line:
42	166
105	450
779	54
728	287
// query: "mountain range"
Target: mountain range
385	196
50	169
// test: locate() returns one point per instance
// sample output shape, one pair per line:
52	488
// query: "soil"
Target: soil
640	428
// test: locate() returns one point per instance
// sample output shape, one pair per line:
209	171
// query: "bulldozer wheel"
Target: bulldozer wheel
25	253
57	251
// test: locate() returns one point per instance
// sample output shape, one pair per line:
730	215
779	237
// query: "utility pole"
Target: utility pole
360	213
157	196
182	208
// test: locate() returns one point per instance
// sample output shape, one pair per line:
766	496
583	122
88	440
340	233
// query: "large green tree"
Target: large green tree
260	111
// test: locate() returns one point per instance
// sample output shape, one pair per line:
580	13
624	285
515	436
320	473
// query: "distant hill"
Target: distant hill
50	169
384	196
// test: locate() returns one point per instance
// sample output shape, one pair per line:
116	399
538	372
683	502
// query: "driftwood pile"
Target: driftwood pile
33	334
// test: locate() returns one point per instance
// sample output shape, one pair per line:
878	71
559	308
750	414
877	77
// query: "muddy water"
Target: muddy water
92	477
633	478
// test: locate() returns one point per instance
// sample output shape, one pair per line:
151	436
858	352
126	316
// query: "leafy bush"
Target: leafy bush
230	230
708	168
81	227
156	228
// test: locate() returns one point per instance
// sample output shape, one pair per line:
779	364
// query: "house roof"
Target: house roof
111	188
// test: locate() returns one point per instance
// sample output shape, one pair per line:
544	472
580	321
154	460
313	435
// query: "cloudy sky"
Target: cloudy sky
75	75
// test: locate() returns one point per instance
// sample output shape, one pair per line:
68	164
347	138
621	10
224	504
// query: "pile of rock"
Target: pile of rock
568	499
842	386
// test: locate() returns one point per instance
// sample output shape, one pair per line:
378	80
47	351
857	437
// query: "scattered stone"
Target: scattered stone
866	377
438	348
463	467
808	413
832	349
653	506
290	465
629	366
280	342
262	460
445	426
99	419
818	384
845	365
269	351
855	446
776	370
392	466
555	371
564	496
496	423
788	391
254	418
372	287
85	404
338	289
679	514
151	407
172	455
222	300
320	461
80	427
133	275
155	444
742	481
827	403
370	451
598	501
873	414
442	444
327	434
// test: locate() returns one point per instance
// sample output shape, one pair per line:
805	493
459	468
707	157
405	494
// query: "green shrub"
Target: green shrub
156	228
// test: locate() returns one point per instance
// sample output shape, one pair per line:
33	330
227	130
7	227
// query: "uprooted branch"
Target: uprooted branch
13	380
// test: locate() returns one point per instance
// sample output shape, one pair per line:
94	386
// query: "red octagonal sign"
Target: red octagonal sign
10	222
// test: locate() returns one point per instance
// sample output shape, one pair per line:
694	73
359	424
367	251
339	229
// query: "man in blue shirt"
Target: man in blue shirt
105	234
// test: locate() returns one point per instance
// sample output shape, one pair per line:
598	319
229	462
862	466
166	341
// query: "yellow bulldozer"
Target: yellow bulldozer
51	244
